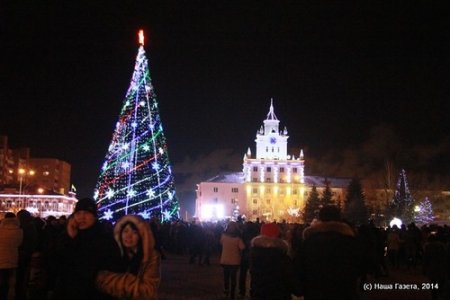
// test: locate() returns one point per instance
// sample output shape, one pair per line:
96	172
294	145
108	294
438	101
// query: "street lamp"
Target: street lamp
22	173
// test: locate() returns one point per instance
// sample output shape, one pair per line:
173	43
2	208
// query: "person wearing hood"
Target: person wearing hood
11	236
83	250
271	271
142	277
230	258
331	259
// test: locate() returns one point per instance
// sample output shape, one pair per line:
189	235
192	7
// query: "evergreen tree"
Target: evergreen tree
402	203
424	215
355	209
327	195
312	205
136	177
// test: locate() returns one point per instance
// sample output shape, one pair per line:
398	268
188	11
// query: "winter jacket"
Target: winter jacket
435	261
330	261
271	269
127	285
11	237
78	260
232	247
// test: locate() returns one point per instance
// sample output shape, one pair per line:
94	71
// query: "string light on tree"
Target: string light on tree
423	213
136	177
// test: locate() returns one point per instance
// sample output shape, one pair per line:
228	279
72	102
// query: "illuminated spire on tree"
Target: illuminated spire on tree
136	177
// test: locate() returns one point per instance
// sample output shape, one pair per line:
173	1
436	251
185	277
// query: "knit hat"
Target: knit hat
86	204
270	230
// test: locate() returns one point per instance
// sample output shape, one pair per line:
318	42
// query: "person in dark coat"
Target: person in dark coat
250	230
83	250
26	250
435	264
270	266
331	259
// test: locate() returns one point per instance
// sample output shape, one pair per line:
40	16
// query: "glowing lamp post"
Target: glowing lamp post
22	173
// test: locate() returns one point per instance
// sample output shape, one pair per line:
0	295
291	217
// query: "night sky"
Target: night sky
335	71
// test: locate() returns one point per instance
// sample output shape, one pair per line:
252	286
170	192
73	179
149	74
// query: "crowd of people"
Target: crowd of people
81	257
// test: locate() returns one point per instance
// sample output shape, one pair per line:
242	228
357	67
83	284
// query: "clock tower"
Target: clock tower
271	143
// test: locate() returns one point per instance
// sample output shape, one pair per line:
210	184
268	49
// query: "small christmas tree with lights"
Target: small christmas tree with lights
402	203
136	177
424	212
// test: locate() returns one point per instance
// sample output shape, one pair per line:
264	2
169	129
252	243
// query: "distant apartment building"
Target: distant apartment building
39	185
52	174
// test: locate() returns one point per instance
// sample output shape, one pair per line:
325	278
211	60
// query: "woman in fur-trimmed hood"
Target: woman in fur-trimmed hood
142	278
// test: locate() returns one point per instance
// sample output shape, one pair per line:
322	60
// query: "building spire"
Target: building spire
271	115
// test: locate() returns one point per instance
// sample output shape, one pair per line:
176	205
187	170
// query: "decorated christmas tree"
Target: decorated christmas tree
136	176
402	203
424	212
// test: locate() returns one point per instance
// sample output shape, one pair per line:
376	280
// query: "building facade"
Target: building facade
271	186
39	185
39	205
52	174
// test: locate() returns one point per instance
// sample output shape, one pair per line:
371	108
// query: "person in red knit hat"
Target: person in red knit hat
272	275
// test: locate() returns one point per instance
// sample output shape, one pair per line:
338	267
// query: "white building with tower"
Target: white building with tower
271	186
